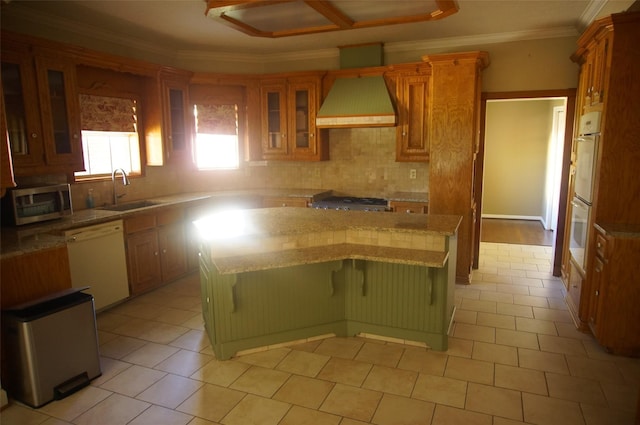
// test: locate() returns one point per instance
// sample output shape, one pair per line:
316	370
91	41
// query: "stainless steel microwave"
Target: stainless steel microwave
34	204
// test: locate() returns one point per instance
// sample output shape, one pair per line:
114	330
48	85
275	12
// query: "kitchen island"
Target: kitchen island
278	275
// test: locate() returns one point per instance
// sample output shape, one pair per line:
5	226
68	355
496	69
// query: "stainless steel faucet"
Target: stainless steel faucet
125	182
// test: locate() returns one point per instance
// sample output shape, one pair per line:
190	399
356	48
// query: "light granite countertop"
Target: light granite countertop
40	236
251	240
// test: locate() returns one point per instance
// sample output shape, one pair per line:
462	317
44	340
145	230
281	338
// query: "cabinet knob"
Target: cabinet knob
164	251
155	253
599	245
310	134
34	135
75	136
284	205
408	211
597	292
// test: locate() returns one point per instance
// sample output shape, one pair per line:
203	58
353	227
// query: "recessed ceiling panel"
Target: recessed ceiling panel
279	17
384	9
282	18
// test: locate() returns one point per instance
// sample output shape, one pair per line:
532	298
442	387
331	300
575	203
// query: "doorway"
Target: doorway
551	183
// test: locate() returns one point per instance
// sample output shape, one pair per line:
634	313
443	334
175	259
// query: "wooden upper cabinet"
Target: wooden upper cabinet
413	118
22	112
169	122
178	119
595	59
6	168
274	120
42	111
60	111
289	108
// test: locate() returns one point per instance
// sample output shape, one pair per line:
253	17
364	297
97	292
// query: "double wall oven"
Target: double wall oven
586	149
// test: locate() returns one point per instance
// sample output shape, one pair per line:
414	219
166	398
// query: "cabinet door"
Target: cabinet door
596	286
177	121
599	70
6	169
20	95
207	299
302	107
413	115
173	254
143	256
274	121
60	112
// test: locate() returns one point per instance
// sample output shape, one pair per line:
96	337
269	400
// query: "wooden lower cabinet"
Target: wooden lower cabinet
574	296
156	249
33	275
143	261
409	207
612	298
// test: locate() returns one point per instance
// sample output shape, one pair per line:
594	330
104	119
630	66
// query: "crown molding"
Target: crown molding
451	42
591	12
67	30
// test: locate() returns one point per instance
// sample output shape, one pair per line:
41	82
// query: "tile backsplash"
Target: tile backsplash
362	163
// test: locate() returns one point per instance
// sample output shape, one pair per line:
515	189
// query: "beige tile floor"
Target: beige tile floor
515	357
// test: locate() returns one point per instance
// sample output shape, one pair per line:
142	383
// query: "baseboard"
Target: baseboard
515	217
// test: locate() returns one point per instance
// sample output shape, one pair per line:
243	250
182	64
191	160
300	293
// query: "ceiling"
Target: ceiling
181	25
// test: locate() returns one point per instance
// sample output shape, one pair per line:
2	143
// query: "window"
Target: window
110	136
216	141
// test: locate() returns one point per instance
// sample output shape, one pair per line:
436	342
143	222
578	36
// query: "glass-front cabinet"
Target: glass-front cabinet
274	123
289	108
41	112
60	112
21	110
178	119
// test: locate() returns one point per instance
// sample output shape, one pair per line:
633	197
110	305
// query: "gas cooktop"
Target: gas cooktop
351	203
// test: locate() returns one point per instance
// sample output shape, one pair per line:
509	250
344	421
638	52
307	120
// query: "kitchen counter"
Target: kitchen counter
619	230
30	238
271	276
251	240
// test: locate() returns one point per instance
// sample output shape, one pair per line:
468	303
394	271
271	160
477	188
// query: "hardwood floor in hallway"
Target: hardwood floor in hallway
522	232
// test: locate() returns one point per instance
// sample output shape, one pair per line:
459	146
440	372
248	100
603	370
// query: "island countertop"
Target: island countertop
250	240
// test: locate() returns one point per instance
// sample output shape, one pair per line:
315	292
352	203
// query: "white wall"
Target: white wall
517	144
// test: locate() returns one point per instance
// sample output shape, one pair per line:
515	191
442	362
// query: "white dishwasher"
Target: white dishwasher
97	259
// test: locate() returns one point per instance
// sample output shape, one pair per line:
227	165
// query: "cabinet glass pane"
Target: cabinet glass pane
15	109
302	118
273	114
57	97
176	104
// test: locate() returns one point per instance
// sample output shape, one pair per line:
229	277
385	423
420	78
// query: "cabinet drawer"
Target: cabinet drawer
601	246
139	222
409	207
170	216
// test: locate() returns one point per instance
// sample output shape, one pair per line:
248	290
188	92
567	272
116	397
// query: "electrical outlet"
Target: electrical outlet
412	174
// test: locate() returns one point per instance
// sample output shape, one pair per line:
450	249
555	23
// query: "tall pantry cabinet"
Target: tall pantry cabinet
600	298
454	105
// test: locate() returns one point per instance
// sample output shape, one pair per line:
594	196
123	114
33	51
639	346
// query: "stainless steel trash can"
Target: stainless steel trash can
50	347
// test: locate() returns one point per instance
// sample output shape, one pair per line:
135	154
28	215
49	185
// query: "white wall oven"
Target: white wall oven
586	149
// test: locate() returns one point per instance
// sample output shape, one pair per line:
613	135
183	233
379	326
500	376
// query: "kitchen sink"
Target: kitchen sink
130	206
